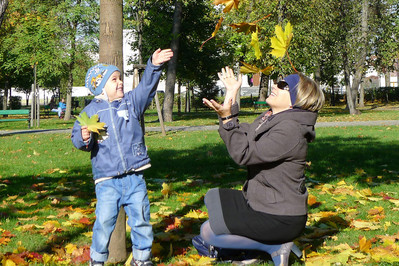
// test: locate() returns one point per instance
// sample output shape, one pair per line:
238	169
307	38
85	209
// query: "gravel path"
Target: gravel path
205	128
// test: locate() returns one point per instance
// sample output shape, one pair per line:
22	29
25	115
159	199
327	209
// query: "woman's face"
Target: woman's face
279	99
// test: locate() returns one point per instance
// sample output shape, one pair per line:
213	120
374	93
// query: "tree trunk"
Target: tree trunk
387	78
361	95
111	33
179	98
3	8
111	52
362	55
172	65
5	96
263	87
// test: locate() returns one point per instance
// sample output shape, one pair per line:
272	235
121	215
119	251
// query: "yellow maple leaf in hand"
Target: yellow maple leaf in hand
229	4
92	123
281	41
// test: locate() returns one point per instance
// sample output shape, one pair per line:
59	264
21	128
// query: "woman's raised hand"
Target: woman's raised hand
231	83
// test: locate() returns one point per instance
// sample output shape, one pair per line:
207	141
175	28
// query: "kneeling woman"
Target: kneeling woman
271	210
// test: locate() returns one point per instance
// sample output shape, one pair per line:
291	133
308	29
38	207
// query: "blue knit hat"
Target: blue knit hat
97	76
292	81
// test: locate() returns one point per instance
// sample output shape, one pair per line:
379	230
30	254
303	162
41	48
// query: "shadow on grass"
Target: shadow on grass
207	166
336	158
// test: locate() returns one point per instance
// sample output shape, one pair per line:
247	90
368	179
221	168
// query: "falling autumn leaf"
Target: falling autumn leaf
255	45
245	27
92	122
281	41
247	68
217	27
228	3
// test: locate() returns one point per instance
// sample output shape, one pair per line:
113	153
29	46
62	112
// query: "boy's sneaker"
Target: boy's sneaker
141	262
96	263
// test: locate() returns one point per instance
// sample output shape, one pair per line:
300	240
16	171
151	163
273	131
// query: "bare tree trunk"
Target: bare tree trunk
111	52
263	87
361	95
3	8
172	65
179	97
5	96
111	32
387	78
361	59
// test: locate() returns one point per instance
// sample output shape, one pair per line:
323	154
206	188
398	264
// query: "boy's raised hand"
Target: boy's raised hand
161	56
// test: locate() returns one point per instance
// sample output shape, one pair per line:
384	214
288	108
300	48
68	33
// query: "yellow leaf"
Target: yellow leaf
166	189
92	123
364	245
396	202
9	263
364	225
70	248
247	68
196	214
255	44
281	41
229	4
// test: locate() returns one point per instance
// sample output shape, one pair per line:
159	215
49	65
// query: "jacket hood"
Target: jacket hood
303	117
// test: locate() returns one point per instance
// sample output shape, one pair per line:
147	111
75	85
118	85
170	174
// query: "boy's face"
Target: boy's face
114	86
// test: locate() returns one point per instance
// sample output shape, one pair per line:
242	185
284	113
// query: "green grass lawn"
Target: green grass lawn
47	195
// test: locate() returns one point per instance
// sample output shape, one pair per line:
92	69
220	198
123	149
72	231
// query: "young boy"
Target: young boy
119	156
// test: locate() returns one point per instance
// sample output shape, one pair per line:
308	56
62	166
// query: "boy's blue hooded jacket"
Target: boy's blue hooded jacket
121	149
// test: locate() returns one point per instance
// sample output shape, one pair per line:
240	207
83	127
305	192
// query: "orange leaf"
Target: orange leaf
217	27
245	27
4	241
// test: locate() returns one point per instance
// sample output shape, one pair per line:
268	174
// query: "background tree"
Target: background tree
195	67
77	20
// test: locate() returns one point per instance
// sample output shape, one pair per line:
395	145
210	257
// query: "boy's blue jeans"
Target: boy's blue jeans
129	191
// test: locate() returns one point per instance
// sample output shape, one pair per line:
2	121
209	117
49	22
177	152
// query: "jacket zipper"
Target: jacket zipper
116	138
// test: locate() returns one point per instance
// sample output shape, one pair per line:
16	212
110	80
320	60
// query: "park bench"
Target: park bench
20	115
258	104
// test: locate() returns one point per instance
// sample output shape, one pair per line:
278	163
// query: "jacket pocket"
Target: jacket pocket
265	193
139	149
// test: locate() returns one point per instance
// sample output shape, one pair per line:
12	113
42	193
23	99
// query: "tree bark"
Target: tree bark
3	8
73	28
361	95
263	87
111	33
172	65
361	56
387	78
111	52
5	96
